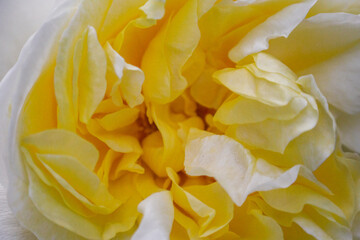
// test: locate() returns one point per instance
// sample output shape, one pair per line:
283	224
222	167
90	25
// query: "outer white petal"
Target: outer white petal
18	20
37	53
158	217
279	25
10	229
327	46
19	80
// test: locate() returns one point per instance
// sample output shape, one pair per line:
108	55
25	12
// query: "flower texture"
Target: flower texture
191	119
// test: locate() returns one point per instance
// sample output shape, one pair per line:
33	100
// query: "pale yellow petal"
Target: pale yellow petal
81	179
295	197
128	82
47	142
119	119
88	14
49	203
251	223
117	141
204	209
278	25
163	79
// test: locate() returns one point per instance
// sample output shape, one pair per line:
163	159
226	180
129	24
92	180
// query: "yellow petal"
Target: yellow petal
241	110
295	197
118	15
163	149
91	83
208	209
47	142
163	79
128	82
335	174
206	91
128	162
49	203
252	224
119	119
88	14
76	176
118	141
280	24
153	10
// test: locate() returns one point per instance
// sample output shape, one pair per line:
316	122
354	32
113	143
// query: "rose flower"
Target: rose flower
191	119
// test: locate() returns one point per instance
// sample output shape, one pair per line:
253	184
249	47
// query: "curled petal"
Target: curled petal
158	211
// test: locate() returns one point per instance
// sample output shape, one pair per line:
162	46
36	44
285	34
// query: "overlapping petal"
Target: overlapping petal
164	119
271	110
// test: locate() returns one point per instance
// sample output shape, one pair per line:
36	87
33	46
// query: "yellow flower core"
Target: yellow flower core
143	98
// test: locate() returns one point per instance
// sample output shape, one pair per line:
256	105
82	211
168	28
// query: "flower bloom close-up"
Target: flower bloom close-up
186	119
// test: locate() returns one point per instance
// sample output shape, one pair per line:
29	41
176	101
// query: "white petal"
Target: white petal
335	63
234	167
158	211
19	19
279	25
10	229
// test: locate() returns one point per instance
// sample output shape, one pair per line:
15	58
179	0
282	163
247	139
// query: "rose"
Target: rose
75	146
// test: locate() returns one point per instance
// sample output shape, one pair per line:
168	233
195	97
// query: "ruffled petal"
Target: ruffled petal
238	172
